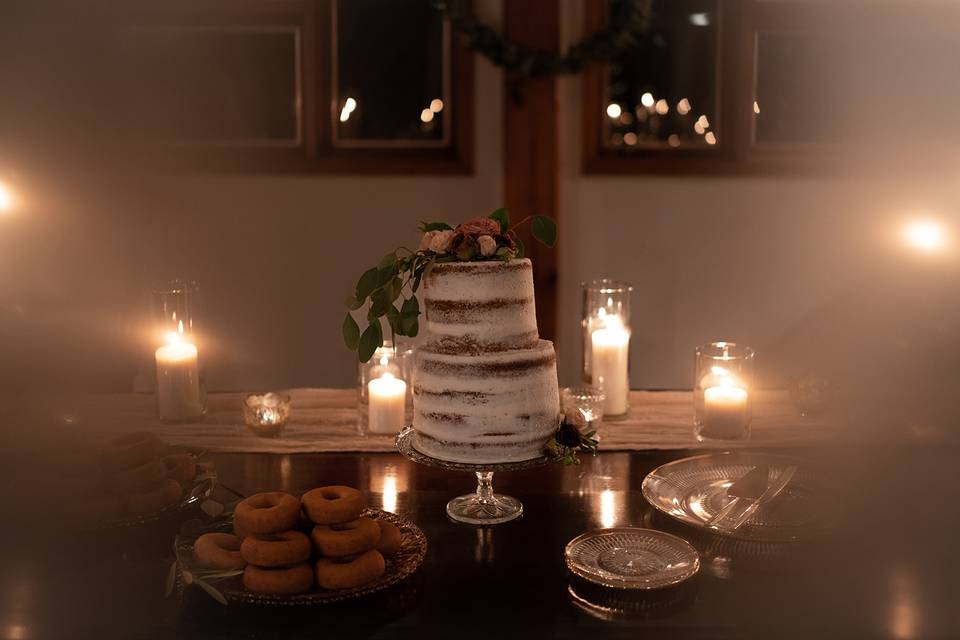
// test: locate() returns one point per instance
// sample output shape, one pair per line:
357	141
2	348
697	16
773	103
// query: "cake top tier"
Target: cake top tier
480	307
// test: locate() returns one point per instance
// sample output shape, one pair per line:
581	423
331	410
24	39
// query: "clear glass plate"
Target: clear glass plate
630	558
693	490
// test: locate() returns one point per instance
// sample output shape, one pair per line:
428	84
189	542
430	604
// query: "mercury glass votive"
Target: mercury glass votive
266	414
722	391
582	404
606	342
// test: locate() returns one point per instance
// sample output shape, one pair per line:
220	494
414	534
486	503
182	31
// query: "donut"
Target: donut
267	513
332	505
276	549
283	580
131	450
153	500
239	531
139	479
347	539
347	573
218	551
390	539
180	467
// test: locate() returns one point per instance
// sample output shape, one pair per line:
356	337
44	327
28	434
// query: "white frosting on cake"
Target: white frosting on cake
485	387
478	307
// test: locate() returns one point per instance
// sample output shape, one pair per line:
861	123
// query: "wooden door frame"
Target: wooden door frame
531	170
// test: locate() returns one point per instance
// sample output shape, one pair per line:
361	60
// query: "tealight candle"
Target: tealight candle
609	358
388	403
178	380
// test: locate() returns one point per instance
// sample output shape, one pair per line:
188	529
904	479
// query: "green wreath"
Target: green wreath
623	33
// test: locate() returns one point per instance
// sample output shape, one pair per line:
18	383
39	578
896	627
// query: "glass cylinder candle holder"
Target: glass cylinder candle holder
722	391
266	415
606	343
384	390
181	394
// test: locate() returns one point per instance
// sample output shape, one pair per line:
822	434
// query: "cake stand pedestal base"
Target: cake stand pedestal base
484	507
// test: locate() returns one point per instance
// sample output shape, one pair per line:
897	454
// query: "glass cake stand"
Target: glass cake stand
483	507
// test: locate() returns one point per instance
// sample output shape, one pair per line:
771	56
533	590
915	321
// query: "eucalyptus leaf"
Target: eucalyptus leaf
367	283
211	591
413	328
386	273
417	275
411	306
351	332
380	302
370	341
521	250
502	216
389	259
352	303
435	226
171	579
545	230
393	289
393	317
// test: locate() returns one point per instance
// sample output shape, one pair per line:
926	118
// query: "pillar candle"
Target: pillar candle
388	403
178	381
724	411
609	358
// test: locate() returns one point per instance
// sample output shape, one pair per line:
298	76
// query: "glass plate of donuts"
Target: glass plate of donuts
227	586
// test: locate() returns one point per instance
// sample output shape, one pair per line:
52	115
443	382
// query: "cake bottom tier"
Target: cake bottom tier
488	408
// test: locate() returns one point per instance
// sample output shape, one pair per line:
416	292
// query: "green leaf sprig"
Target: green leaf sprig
389	289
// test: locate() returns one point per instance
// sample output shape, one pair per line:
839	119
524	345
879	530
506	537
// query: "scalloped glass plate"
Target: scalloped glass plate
631	558
692	490
403	564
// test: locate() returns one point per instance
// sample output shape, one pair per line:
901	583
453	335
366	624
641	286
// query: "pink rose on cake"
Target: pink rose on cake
479	227
442	241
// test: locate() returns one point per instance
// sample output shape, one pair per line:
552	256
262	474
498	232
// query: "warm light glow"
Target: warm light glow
683	107
662	107
436	105
700	19
698	127
710	138
756	107
703	122
426	115
630	138
384	360
608	509
673	140
626	118
390	490
348	107
925	235
6	198
905	605
614	110
647	99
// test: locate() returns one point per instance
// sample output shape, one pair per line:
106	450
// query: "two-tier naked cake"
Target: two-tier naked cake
485	388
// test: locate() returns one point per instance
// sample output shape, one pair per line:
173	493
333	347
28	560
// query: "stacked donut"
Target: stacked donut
275	553
131	476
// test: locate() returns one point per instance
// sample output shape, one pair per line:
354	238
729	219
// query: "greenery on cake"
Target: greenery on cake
390	287
570	440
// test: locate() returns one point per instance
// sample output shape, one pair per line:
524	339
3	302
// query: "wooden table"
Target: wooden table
889	570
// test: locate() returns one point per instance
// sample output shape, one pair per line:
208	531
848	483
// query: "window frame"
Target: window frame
315	152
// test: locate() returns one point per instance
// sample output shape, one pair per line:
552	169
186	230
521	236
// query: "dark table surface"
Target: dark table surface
888	570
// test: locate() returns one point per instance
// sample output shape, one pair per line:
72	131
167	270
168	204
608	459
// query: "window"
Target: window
761	86
296	86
